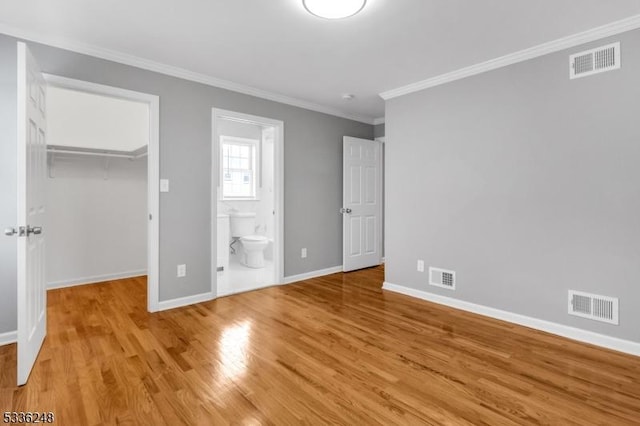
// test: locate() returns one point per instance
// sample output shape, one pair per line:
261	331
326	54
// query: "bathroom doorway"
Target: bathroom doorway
247	183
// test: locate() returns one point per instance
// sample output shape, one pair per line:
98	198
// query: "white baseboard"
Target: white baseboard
205	297
573	333
185	301
313	274
8	338
95	279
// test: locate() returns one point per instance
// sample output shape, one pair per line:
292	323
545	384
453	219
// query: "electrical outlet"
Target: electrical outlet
303	253
420	265
182	271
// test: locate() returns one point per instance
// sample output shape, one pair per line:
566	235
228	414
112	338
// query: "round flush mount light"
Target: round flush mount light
334	9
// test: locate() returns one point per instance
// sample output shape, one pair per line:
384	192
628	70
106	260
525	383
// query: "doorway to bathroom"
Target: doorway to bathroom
247	183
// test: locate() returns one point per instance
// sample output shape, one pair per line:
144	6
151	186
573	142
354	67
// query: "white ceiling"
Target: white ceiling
276	46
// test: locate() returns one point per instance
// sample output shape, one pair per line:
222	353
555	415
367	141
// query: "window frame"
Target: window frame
254	160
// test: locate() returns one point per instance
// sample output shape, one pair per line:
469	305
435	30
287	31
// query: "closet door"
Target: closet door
32	165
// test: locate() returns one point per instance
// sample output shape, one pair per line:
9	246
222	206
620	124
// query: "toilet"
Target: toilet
242	228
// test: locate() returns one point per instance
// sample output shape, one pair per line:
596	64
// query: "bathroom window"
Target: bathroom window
239	168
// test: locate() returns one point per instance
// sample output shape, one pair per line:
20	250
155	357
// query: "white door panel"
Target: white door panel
362	207
370	233
32	164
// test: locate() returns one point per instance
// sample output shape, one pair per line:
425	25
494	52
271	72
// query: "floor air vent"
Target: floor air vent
442	278
594	61
592	306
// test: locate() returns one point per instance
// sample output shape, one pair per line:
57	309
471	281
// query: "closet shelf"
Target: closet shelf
70	150
106	154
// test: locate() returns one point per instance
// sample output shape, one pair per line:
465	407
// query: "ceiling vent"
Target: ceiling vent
592	306
442	278
594	61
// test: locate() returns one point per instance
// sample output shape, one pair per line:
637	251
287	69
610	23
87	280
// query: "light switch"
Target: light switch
164	185
182	270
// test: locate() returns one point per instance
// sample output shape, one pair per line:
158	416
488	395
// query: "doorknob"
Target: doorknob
343	210
20	231
36	230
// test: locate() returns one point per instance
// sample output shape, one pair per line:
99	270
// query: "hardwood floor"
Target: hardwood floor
331	350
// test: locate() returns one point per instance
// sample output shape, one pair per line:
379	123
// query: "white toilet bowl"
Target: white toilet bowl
253	247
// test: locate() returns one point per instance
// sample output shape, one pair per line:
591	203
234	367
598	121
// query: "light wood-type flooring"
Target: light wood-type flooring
330	350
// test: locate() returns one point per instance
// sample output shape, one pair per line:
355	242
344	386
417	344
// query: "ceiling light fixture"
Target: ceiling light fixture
334	9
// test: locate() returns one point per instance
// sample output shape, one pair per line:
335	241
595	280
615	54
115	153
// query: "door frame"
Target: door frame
153	169
218	114
383	147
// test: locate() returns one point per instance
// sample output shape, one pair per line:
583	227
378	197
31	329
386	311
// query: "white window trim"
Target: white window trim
224	139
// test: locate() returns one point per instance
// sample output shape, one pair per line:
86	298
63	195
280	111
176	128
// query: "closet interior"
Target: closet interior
96	218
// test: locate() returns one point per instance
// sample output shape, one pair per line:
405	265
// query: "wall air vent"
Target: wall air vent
594	61
592	306
442	278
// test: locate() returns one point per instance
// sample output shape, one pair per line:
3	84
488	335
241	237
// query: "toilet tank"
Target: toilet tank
242	224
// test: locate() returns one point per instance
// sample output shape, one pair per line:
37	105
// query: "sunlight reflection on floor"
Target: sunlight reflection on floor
233	349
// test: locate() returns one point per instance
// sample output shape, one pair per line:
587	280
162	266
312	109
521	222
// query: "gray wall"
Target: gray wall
525	183
239	130
313	169
378	130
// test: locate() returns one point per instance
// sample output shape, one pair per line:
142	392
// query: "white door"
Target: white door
362	203
32	164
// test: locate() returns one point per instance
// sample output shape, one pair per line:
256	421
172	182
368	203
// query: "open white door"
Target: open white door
32	164
362	203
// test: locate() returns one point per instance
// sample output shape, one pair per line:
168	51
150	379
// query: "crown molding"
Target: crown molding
614	28
379	120
173	71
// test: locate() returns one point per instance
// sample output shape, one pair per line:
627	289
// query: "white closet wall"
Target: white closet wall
87	120
96	227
